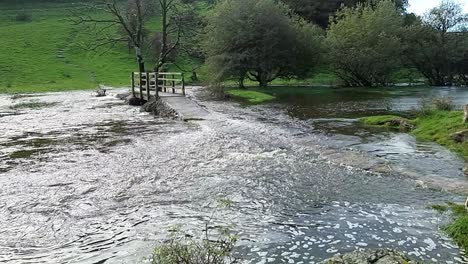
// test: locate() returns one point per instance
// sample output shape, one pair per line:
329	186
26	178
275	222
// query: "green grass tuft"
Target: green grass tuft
441	208
384	120
437	126
458	228
252	97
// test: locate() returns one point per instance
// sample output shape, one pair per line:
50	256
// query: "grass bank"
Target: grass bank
437	126
250	96
458	228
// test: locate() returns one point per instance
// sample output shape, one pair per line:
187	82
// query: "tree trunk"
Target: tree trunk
263	83
140	61
262	79
163	53
241	83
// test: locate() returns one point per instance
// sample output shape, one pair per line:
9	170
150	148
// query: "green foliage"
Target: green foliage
319	11
252	97
440	208
443	103
183	249
431	46
458	228
436	126
424	107
439	126
364	43
384	121
259	40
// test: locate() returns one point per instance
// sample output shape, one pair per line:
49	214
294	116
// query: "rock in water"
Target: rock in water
465	170
134	101
377	256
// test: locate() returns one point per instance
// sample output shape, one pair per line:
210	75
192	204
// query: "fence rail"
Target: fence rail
144	84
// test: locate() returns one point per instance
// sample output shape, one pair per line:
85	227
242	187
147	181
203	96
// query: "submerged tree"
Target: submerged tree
364	43
437	45
259	40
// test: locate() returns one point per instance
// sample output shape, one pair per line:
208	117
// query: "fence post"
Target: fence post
141	86
156	79
148	85
133	84
173	83
183	84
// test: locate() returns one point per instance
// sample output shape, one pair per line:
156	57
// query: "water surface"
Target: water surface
91	180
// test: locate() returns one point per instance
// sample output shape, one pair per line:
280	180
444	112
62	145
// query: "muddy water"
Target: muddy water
91	180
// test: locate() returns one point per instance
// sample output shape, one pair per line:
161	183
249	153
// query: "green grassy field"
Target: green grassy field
46	54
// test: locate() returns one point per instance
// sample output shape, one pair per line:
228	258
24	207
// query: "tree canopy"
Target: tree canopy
364	43
319	11
438	44
261	41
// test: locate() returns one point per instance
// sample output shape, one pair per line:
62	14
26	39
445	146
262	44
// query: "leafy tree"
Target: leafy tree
259	40
436	45
364	43
319	11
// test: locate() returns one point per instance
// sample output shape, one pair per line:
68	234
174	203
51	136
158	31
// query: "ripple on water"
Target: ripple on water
113	180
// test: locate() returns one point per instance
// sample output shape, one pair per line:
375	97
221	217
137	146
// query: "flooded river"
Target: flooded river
92	180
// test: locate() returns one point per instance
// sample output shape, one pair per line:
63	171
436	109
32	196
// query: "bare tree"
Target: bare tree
175	25
129	21
130	18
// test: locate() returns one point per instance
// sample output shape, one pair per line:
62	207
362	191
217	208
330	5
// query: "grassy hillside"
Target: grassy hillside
45	54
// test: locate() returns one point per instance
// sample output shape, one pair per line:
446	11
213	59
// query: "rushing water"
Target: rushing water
91	180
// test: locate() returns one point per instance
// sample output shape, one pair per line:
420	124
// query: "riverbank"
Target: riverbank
457	229
441	127
437	126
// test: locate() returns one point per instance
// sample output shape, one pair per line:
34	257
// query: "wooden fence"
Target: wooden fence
146	85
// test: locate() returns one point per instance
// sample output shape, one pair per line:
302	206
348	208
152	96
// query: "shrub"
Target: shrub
443	103
23	17
424	107
457	229
218	90
428	105
183	249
